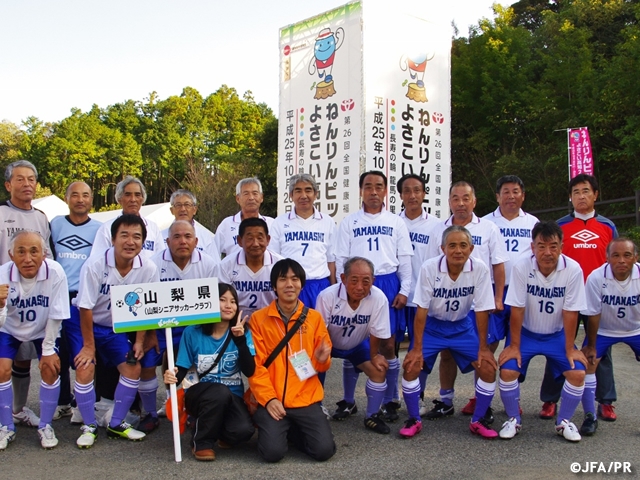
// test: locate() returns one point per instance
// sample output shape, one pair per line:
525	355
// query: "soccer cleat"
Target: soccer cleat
47	436
148	424
440	410
375	423
470	407
568	430
548	410
606	413
424	409
590	425
124	430
488	416
26	417
482	429
62	411
411	428
325	412
88	437
390	411
162	412
510	429
207	455
76	416
344	410
6	437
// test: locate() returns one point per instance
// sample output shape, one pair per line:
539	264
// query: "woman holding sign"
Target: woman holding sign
220	352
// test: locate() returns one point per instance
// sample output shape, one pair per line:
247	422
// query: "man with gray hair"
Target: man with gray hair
356	314
184	206
447	289
307	236
249	197
33	302
17	213
131	195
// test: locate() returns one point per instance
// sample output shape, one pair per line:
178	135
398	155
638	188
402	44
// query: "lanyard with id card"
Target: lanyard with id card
301	363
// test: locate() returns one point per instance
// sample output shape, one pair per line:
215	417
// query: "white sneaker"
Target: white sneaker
569	431
26	417
6	437
88	437
62	411
510	429
423	408
76	416
47	437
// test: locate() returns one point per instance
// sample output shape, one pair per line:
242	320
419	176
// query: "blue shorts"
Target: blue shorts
458	337
153	358
73	334
112	347
9	345
551	346
309	294
498	322
603	343
408	316
356	355
390	286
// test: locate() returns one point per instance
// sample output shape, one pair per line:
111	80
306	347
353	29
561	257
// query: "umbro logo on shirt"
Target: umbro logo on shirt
585	236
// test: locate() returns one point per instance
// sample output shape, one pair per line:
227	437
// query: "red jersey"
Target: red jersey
586	240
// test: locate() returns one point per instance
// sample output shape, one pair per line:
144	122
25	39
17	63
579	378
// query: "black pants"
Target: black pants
550	390
220	415
307	428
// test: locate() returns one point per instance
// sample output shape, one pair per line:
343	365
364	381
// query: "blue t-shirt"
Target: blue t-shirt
201	350
73	245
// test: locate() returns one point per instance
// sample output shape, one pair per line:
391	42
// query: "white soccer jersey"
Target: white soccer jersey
544	298
206	241
516	236
382	238
28	312
226	237
153	243
309	241
422	232
200	266
449	300
349	328
487	242
617	303
254	289
99	274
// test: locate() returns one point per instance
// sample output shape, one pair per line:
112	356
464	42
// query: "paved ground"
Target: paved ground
444	449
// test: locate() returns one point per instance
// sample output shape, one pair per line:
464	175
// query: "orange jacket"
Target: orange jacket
280	380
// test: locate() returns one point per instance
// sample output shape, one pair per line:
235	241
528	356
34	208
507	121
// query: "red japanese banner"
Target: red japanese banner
580	153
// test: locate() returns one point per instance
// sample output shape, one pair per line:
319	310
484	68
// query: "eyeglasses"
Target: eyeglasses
185	205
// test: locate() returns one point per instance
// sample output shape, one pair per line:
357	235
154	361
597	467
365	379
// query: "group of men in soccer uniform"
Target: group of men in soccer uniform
456	287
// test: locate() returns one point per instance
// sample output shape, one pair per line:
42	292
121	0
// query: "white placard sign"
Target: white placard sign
148	306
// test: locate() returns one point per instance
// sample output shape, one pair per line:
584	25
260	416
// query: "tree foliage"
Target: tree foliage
519	81
183	141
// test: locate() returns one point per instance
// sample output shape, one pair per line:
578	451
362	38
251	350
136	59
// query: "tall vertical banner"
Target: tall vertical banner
364	87
580	153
